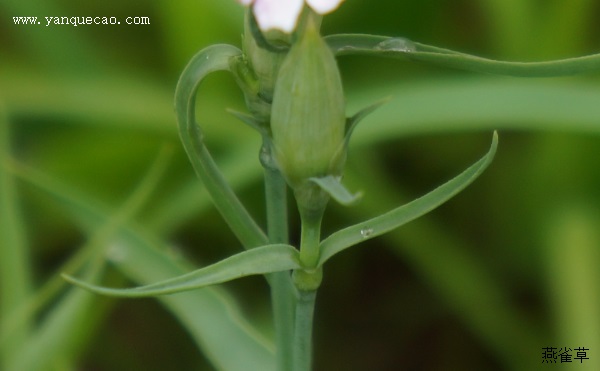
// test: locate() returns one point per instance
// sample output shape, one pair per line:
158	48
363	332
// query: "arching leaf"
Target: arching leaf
260	260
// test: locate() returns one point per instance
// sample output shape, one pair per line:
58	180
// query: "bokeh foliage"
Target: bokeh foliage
484	282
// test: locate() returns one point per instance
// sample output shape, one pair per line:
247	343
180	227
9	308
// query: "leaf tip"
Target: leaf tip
494	145
336	190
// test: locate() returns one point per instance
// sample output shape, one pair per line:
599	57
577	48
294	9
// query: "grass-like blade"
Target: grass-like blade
457	275
212	59
260	260
479	104
70	322
212	317
397	47
64	330
393	219
15	269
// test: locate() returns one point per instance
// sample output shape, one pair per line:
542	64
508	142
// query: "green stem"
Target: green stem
276	200
283	302
282	290
307	281
305	306
310	237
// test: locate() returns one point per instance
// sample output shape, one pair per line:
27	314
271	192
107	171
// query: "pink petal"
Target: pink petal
324	6
278	14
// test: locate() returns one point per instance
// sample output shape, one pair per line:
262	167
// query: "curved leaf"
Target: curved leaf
393	219
456	274
260	260
336	189
212	59
212	316
397	47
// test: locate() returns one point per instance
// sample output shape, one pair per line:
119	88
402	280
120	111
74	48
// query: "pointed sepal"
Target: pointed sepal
353	121
336	190
251	121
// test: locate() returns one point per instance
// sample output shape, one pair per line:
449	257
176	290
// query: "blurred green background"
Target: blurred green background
484	282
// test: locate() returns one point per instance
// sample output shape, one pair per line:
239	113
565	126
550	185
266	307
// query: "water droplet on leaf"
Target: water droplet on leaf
396	44
366	232
347	48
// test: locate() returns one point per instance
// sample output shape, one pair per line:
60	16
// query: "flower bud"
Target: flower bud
256	71
308	113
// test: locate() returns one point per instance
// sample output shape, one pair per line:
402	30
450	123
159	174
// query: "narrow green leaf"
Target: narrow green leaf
457	274
481	103
353	121
394	47
212	317
99	235
363	44
335	189
190	200
15	270
260	260
211	59
109	101
393	219
61	331
64	328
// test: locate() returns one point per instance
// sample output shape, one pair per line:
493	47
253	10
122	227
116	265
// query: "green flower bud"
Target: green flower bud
257	70
308	114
